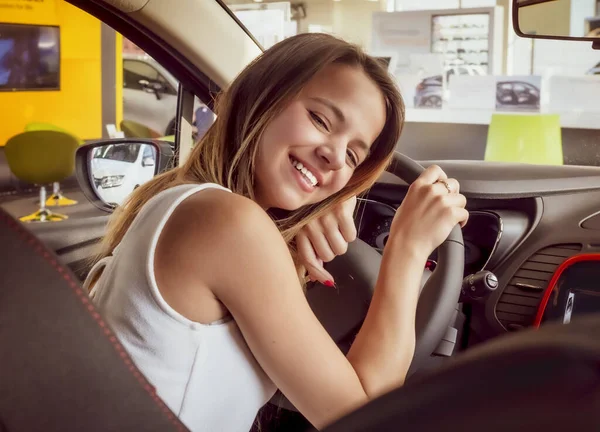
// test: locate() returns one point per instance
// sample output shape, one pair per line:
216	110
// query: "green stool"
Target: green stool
40	158
133	129
57	199
534	139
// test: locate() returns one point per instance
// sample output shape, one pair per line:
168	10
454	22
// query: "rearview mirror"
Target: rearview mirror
557	19
108	171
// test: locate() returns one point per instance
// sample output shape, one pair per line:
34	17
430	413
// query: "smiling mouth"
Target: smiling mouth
309	176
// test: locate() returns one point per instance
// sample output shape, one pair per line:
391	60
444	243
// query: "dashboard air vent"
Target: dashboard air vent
520	299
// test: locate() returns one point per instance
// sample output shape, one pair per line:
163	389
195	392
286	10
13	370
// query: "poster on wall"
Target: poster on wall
518	93
574	93
429	88
408	88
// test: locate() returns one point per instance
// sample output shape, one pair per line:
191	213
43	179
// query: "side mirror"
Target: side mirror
109	170
554	19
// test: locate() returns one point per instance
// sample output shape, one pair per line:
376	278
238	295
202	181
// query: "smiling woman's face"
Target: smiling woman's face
311	149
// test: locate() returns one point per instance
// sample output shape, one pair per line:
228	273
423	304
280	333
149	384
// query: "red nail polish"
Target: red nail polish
329	283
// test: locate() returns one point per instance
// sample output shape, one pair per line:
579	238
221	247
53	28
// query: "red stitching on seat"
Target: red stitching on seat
39	248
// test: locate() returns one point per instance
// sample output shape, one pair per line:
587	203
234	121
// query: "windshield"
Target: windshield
473	89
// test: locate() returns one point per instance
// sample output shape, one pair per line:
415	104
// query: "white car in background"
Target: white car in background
118	169
150	94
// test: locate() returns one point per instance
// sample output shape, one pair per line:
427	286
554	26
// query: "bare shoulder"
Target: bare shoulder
216	213
212	232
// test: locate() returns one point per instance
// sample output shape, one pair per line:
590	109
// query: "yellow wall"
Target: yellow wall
77	107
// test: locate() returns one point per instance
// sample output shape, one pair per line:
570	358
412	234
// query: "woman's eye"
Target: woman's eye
353	158
319	121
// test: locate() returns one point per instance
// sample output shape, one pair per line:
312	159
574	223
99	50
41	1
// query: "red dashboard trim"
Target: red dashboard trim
555	277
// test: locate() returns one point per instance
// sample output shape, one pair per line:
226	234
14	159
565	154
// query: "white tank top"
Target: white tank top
205	373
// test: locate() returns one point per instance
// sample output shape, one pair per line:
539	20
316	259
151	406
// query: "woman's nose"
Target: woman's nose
333	155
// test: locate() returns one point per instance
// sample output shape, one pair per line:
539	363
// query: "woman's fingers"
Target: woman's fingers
310	260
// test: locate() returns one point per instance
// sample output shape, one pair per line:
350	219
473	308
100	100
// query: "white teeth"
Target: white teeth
306	172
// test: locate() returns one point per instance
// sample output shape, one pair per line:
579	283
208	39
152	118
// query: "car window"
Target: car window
472	45
92	83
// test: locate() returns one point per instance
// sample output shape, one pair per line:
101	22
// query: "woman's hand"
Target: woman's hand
432	207
325	238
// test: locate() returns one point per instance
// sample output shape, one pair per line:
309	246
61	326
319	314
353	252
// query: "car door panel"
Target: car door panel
75	241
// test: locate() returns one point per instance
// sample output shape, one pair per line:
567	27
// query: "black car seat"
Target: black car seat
537	380
61	366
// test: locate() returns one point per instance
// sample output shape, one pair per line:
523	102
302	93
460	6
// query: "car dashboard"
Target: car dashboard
482	235
525	223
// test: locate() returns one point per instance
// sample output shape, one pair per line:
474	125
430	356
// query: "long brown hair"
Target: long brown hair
226	153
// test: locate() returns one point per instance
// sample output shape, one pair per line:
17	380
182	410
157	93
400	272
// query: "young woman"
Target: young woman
203	267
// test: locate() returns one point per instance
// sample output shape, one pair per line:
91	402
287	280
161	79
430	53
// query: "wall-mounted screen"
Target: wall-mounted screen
29	57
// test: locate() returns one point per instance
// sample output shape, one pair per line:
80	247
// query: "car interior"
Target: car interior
508	331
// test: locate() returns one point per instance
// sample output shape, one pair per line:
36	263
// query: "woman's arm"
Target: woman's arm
228	244
326	237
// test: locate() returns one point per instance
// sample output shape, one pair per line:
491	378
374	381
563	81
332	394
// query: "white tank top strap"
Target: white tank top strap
165	208
94	272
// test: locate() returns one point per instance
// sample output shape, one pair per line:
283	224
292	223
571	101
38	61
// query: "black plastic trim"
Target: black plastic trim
514	226
516	4
237	20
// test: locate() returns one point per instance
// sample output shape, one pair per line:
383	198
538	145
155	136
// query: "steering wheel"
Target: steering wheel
342	311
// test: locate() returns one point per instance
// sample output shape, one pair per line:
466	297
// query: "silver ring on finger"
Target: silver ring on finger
445	183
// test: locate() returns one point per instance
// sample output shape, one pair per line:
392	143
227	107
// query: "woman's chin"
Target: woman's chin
288	205
289	201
